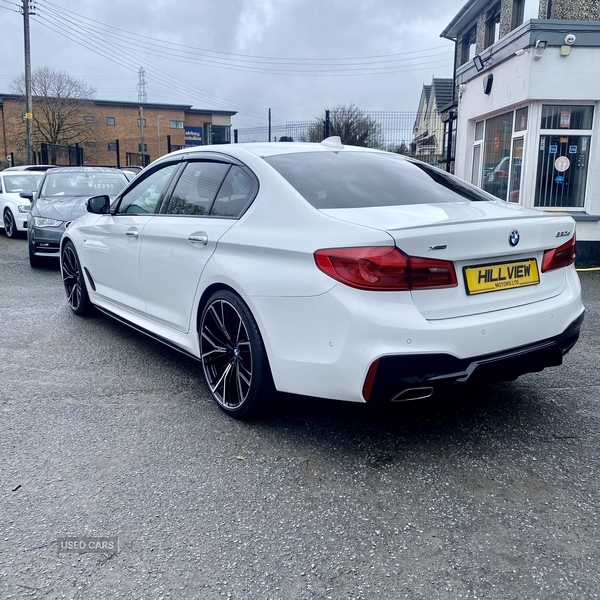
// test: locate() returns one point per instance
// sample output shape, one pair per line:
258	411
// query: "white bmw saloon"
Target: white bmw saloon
328	271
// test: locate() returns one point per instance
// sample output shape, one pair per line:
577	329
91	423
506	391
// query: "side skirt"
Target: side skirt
158	338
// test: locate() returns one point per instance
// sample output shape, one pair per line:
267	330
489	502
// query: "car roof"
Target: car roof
263	149
28	173
85	170
30	168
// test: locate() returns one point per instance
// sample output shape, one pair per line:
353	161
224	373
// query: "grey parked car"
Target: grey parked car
60	200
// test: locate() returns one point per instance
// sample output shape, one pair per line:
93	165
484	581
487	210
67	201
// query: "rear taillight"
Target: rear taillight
384	269
563	256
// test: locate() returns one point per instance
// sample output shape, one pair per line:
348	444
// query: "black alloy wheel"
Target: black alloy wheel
72	276
233	357
9	224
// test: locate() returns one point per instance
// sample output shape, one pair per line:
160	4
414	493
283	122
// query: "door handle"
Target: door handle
198	239
131	233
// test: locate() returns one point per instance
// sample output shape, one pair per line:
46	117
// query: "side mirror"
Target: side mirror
26	194
99	205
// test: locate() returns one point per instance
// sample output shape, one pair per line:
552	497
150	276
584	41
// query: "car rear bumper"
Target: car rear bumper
412	376
325	346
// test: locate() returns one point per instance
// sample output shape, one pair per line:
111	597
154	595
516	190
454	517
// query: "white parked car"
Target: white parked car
13	208
328	271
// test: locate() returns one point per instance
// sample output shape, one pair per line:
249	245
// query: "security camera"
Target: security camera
570	39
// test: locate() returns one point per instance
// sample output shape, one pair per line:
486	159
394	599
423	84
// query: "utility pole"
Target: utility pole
28	99
269	139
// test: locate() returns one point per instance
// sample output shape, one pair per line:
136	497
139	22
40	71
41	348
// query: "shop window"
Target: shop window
563	156
492	26
563	116
479	130
496	154
476	167
514	192
144	149
521	119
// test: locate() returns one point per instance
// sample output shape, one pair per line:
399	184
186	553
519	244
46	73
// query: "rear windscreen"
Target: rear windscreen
362	179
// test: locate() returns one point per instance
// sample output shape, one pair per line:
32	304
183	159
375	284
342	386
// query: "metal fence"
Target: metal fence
394	131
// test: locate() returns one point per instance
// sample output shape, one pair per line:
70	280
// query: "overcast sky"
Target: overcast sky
296	57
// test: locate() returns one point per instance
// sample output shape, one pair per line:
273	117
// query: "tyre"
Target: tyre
233	356
73	280
9	224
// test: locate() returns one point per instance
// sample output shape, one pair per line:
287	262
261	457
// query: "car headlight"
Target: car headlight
24	208
44	222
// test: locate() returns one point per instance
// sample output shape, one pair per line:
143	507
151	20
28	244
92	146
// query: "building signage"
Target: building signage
565	119
572	149
562	163
553	149
193	136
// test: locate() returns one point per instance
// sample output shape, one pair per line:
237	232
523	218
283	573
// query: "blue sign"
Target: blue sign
572	149
559	179
553	149
193	136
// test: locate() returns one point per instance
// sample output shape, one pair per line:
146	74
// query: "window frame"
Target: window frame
492	26
108	121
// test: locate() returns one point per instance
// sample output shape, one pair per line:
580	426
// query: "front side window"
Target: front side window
144	197
196	189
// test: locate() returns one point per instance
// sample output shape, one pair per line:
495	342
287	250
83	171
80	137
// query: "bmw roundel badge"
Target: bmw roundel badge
513	238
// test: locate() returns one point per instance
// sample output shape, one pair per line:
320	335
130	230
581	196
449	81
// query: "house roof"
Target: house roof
443	90
463	18
427	92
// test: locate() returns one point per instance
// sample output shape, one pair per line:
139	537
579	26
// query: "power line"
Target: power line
164	43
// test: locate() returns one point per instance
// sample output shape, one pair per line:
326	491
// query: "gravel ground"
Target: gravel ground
104	432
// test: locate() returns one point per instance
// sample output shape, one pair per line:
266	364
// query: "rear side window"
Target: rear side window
235	194
363	179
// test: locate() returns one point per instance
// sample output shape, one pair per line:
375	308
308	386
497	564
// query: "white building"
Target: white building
528	106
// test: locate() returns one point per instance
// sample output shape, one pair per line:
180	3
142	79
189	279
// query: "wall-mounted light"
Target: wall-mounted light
540	46
478	62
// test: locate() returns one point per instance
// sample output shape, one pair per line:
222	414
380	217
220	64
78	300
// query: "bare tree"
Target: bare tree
60	103
354	126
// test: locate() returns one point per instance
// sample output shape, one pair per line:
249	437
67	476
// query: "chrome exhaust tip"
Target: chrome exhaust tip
419	393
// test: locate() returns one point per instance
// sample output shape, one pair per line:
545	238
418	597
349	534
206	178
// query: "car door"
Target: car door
178	242
115	239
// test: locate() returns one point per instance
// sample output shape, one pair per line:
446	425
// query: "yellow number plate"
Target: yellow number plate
502	276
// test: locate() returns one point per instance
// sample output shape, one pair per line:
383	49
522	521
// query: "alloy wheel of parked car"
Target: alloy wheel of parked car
9	224
233	357
73	281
